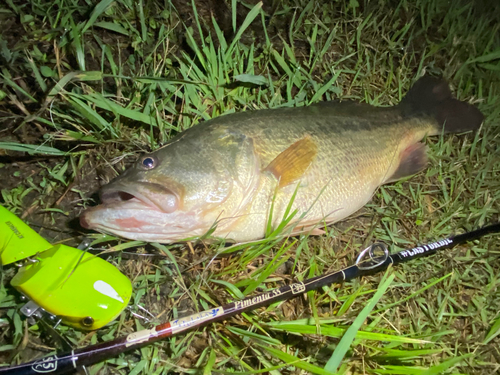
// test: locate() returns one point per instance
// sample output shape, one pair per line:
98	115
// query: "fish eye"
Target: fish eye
87	321
148	162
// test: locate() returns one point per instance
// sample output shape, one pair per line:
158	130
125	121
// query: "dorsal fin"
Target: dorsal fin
291	164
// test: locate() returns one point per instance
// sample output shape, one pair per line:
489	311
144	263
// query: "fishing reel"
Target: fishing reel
63	283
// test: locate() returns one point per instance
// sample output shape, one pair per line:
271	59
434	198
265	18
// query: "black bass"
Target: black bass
325	160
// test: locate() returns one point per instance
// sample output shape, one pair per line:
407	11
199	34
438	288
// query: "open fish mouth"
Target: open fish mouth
119	210
146	194
117	197
146	212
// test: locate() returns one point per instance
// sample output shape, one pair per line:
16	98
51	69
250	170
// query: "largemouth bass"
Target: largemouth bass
236	174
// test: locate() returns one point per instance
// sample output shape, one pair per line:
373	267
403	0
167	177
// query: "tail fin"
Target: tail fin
432	96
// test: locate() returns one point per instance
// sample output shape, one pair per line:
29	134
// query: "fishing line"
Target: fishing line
375	258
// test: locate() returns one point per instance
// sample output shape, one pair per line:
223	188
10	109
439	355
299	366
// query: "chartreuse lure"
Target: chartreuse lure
77	288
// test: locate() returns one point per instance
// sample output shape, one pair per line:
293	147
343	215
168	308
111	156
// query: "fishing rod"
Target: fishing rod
373	259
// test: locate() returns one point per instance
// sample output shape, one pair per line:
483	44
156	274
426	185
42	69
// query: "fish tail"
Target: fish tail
432	97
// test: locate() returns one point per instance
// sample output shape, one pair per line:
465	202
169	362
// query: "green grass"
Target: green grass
87	87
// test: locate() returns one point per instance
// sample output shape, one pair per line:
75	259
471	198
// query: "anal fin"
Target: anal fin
292	163
412	160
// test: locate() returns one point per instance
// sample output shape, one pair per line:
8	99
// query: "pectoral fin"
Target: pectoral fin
292	163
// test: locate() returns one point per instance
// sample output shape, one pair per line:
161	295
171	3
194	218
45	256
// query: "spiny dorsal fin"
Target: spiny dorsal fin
291	164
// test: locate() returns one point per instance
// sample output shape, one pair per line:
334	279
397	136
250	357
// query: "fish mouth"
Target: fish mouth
150	195
113	200
118	196
145	211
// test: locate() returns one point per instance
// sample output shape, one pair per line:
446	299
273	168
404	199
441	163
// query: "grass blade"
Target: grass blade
346	341
248	20
299	327
31	149
493	332
292	360
99	9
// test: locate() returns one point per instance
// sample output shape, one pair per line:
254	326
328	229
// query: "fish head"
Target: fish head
177	192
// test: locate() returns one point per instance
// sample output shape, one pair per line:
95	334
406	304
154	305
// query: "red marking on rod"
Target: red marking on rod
164	330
